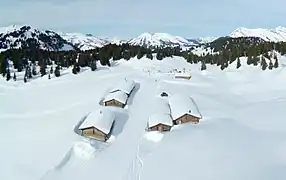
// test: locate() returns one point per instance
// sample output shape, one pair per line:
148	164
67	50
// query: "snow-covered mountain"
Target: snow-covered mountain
160	40
117	41
28	37
25	36
275	35
84	42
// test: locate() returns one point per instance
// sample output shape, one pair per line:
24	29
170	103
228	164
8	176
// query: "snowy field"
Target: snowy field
241	136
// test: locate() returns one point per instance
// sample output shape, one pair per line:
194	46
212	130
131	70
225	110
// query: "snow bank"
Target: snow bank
154	136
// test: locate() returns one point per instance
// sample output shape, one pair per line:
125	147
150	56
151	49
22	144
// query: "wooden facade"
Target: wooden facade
186	119
94	133
114	103
160	127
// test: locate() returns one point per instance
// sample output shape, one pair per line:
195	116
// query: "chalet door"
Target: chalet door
160	128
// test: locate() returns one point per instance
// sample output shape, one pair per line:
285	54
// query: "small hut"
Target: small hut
183	109
116	99
160	122
183	76
98	125
125	85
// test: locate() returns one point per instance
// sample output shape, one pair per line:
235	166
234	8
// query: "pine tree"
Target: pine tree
222	66
77	68
25	79
263	63
249	60
140	55
8	77
28	72
14	77
149	56
52	69
255	61
270	65
57	71
43	68
238	64
226	64
203	66
34	71
276	62
74	69
93	66
159	56
3	65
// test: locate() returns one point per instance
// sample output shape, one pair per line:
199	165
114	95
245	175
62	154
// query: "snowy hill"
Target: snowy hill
159	40
241	135
202	40
275	35
28	37
117	41
83	42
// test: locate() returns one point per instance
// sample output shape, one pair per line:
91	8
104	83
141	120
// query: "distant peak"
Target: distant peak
274	35
280	28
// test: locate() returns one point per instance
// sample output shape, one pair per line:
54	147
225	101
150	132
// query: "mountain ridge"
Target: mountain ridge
16	36
277	34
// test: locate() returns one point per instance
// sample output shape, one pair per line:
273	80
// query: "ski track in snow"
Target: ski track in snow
137	164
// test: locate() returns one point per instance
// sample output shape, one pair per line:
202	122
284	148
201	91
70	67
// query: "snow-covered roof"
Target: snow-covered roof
181	104
161	106
126	86
116	95
100	119
160	118
183	75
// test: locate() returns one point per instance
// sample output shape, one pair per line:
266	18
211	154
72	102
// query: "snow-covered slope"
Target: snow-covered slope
241	135
28	37
83	42
117	41
202	40
10	28
277	34
160	40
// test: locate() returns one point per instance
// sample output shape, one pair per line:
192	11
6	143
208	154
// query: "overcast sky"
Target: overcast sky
129	18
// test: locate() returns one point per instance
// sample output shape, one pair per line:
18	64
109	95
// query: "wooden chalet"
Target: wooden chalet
98	125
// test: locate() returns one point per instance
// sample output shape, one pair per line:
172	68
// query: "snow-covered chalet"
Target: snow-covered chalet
117	99
183	109
161	119
98	125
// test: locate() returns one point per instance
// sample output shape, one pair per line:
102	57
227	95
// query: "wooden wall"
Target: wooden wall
114	103
187	118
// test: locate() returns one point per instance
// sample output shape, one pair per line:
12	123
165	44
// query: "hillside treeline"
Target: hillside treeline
221	53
